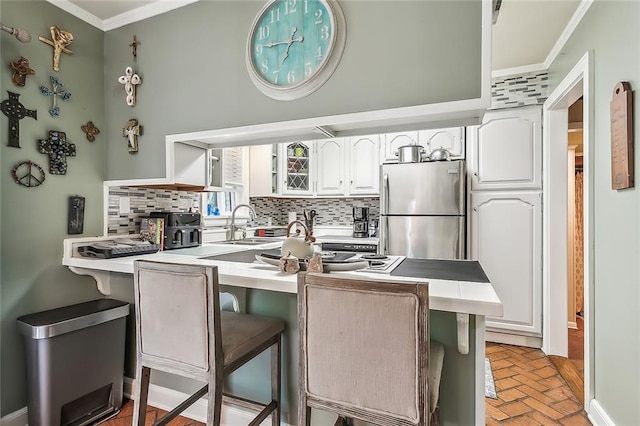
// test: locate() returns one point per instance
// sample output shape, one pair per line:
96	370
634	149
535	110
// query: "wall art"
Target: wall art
130	81
59	41
58	150
131	132
90	130
134	47
20	71
58	90
75	216
28	174
13	109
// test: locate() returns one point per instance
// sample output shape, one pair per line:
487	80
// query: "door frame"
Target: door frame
578	82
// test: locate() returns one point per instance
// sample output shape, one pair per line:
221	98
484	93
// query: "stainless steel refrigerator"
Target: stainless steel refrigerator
422	209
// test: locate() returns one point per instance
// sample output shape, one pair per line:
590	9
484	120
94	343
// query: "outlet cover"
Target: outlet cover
125	205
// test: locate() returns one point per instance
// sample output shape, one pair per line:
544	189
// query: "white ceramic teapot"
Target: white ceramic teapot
296	245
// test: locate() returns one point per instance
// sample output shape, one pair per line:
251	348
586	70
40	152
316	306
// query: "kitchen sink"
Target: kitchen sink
250	241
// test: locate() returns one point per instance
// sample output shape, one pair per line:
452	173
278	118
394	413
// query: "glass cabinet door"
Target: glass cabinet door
297	168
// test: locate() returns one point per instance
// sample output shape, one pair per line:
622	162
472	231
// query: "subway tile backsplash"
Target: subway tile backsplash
143	201
330	211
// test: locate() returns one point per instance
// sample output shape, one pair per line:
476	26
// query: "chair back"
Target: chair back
364	348
178	315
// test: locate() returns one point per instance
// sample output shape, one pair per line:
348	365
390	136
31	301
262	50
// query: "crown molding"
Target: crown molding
518	70
581	10
135	15
79	13
157	8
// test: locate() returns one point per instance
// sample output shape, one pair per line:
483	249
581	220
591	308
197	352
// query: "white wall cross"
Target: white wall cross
130	81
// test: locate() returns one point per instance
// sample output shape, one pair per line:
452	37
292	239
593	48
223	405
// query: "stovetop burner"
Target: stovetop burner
374	256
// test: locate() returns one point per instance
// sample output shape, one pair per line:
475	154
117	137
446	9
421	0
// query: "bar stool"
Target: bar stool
181	330
365	352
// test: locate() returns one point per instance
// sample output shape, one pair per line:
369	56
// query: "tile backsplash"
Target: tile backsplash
142	202
330	211
519	90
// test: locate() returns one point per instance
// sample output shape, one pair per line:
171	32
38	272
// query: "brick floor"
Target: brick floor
530	390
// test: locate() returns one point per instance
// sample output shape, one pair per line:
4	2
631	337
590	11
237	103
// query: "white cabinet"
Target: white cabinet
505	151
393	141
506	238
191	165
297	165
363	165
451	139
330	167
263	170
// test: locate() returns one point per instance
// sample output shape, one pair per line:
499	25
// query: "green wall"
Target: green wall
610	31
34	220
192	65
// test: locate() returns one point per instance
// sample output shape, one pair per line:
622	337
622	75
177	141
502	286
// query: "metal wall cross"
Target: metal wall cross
58	150
134	47
58	90
13	109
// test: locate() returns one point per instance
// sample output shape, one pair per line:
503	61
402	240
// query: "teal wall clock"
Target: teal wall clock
294	46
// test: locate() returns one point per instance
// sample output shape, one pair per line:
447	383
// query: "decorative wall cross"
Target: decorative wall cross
20	71
59	41
131	132
130	81
134	47
58	90
13	109
90	130
58	150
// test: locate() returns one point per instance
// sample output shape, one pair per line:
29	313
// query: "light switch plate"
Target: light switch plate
125	205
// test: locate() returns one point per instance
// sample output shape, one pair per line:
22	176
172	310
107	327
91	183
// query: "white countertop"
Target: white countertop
444	295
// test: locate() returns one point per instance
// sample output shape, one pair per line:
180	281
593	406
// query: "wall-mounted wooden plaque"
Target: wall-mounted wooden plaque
622	136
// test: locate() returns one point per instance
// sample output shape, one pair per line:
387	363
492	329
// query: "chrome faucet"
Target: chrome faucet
252	215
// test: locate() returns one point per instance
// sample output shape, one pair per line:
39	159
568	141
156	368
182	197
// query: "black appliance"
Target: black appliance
181	230
360	222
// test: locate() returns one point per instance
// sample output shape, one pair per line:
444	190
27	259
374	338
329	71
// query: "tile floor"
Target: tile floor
530	392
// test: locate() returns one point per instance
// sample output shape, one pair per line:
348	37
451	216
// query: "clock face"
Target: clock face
294	46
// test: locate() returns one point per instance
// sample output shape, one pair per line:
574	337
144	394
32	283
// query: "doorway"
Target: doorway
556	312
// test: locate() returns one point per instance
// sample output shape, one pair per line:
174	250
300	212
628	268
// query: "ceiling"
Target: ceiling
523	36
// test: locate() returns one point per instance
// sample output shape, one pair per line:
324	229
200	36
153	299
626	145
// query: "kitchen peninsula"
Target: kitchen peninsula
458	309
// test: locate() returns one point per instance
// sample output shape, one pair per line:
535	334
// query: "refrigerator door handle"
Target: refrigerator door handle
385	194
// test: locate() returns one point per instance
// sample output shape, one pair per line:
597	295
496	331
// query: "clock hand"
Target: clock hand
299	39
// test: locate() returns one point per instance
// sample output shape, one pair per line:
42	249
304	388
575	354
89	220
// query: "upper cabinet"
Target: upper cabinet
451	139
363	165
298	166
505	151
331	169
263	170
393	141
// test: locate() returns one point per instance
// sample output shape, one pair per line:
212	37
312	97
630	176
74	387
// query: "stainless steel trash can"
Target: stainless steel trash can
75	362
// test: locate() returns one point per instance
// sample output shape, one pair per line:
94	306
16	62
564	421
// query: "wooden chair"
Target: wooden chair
181	330
364	350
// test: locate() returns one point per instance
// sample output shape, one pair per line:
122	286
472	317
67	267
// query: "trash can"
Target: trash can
75	362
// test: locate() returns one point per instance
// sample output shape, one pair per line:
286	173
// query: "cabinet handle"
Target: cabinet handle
475	174
475	209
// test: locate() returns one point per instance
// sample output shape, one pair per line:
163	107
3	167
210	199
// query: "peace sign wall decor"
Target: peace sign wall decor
28	174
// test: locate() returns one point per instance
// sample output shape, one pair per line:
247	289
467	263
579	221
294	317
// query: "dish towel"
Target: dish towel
489	385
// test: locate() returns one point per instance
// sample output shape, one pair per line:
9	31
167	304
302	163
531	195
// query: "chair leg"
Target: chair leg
141	391
276	376
214	408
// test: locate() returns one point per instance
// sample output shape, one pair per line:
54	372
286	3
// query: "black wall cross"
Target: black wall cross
58	150
13	109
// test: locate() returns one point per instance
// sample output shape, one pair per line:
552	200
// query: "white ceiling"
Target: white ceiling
524	35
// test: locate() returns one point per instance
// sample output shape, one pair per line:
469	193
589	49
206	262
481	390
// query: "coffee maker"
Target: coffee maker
360	222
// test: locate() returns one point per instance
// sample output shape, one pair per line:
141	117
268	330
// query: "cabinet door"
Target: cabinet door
190	164
297	168
505	151
506	238
263	170
451	139
330	167
393	141
364	165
